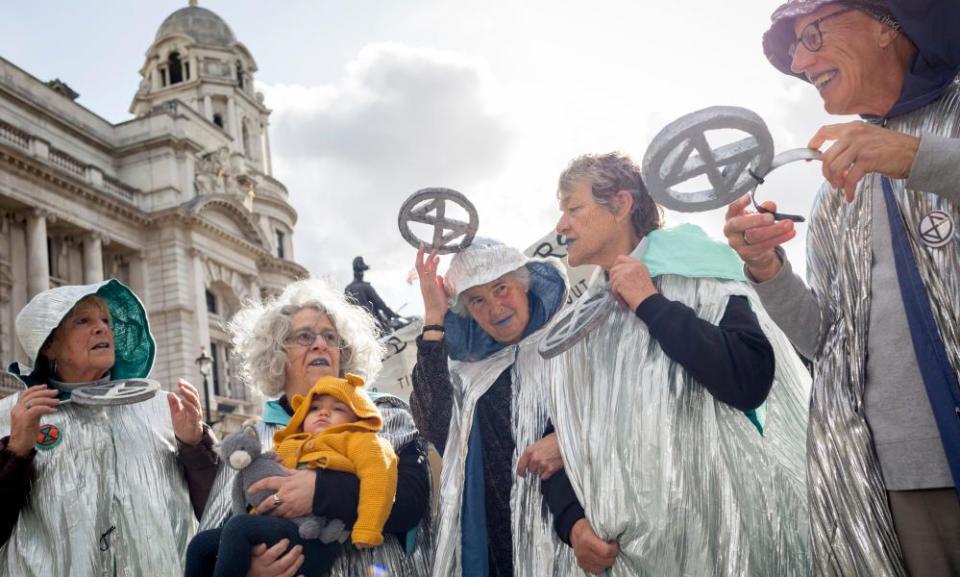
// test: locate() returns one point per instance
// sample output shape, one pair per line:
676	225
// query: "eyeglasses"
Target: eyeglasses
307	337
811	36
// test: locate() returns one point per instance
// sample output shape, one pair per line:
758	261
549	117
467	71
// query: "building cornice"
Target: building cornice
183	216
282	266
37	169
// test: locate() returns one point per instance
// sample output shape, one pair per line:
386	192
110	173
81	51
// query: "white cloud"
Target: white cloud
498	115
400	119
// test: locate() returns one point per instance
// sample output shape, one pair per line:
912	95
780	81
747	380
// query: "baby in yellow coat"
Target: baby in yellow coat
335	427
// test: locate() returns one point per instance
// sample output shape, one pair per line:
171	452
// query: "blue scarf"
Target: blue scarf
933	27
466	341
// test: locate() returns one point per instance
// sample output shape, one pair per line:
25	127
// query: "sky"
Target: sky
375	99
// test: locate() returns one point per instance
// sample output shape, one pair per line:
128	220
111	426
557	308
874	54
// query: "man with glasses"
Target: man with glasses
881	316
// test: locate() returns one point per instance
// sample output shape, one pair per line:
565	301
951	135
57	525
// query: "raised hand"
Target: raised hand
859	149
755	236
186	413
630	281
34	403
431	287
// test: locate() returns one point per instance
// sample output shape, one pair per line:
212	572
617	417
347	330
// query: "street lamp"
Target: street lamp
204	362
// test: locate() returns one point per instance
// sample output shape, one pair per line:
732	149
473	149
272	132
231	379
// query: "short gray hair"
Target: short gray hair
521	275
260	332
608	174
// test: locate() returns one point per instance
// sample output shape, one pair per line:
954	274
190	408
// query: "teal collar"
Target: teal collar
273	414
687	251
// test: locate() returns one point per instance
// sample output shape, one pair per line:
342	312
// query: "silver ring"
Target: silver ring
745	241
29	405
276	500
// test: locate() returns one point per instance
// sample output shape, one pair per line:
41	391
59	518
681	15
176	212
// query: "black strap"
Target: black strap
438	328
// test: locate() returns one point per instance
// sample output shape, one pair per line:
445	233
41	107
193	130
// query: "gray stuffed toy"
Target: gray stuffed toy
242	451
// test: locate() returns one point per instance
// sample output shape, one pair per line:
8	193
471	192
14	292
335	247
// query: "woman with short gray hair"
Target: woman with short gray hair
307	332
681	415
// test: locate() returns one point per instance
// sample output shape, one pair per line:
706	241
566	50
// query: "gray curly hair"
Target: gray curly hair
608	174
260	330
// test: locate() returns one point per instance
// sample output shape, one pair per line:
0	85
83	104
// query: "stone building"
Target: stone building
179	202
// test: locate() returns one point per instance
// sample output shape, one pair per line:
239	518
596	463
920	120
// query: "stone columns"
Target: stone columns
268	163
233	125
208	108
253	289
202	322
138	275
92	258
38	260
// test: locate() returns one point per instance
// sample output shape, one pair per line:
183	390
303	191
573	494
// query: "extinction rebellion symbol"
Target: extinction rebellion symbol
936	229
48	437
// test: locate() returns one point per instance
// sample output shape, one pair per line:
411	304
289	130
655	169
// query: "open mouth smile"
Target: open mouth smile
822	79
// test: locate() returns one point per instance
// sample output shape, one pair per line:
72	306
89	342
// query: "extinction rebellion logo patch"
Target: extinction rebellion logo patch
936	229
48	437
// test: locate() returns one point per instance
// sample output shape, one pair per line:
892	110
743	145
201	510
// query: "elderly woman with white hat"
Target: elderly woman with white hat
486	413
96	490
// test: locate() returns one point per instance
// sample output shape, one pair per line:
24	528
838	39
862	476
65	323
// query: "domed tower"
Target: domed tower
196	59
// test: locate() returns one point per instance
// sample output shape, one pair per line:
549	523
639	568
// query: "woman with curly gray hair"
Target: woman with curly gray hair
287	343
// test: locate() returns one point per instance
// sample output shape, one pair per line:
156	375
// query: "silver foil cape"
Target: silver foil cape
686	484
852	529
537	551
115	467
399	430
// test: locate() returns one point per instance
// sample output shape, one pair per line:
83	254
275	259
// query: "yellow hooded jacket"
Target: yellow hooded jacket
350	447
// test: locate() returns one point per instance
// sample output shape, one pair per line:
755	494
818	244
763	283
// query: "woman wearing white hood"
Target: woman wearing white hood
486	413
101	490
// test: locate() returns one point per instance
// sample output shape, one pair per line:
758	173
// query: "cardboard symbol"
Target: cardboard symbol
120	392
681	153
585	314
429	206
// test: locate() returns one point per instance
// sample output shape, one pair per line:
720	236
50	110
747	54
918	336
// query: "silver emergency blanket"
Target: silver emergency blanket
852	529
399	430
109	500
537	551
684	483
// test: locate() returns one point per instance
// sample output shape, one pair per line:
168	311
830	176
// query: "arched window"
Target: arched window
240	75
175	67
218	119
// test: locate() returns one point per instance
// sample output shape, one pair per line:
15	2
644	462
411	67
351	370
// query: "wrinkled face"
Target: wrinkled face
82	346
307	363
589	227
500	308
845	68
327	411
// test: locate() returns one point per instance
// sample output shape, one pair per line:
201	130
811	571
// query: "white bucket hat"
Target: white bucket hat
485	260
